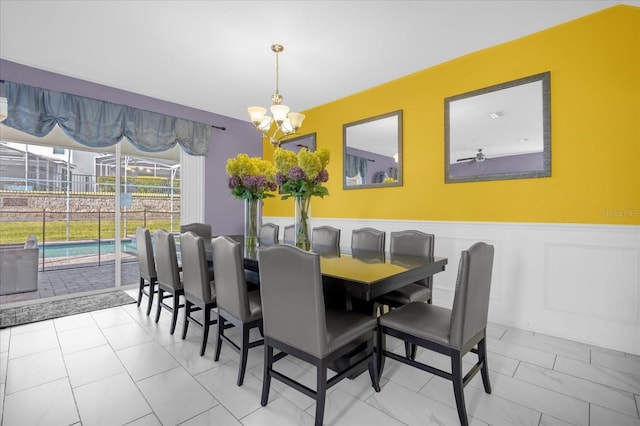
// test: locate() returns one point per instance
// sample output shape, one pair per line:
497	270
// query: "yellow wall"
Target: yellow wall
595	132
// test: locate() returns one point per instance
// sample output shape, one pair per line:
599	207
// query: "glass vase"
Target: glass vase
302	224
251	224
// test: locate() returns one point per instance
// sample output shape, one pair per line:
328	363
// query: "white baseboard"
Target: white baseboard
579	282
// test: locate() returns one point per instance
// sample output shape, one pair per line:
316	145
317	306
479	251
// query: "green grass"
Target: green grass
56	230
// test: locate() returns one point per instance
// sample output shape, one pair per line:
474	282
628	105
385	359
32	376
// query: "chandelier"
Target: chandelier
283	123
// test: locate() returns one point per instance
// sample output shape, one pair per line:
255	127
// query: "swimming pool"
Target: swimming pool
86	248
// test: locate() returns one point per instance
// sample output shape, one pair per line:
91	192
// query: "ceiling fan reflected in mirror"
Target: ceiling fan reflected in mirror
478	158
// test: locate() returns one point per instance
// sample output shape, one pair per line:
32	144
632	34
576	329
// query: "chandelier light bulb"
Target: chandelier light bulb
265	124
287	128
257	114
279	113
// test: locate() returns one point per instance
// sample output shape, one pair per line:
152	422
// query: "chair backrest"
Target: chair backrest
325	239
289	236
268	234
195	271
231	286
471	300
367	239
412	243
167	259
292	299
146	262
200	229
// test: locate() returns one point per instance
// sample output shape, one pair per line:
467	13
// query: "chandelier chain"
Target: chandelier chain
277	75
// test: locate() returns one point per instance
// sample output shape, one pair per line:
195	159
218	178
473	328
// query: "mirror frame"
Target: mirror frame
545	78
298	138
345	127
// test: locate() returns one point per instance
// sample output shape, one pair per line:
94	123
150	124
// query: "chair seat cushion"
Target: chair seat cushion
345	326
422	320
404	295
255	305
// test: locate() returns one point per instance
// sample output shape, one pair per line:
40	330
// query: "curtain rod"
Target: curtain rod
213	125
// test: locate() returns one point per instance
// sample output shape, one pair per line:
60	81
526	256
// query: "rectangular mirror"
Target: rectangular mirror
373	152
296	144
499	132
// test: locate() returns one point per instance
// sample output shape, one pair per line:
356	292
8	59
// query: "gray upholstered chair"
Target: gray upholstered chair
146	266
169	280
199	290
19	267
325	239
203	230
452	332
289	236
368	240
297	323
268	234
236	305
409	243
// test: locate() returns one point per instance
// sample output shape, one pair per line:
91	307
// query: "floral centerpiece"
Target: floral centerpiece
251	179
301	176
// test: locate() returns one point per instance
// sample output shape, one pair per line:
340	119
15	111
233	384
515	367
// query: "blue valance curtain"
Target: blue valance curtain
100	124
356	166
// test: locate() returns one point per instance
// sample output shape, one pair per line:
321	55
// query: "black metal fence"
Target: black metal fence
81	238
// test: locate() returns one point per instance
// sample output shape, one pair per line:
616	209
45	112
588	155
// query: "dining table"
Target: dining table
356	278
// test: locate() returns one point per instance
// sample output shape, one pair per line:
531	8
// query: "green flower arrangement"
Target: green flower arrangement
251	178
301	174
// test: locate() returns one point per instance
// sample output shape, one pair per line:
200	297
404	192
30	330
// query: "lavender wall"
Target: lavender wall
381	163
507	164
223	212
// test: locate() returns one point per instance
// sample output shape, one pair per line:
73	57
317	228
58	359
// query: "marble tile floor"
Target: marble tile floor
118	367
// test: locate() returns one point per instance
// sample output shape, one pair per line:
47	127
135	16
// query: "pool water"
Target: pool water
86	248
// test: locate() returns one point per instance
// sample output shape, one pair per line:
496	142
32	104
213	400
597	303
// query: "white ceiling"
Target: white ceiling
215	55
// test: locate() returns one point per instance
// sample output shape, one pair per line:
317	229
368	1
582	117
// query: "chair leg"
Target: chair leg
373	365
140	290
205	329
160	296
482	356
244	349
458	388
152	286
219	335
174	314
410	350
266	374
187	311
379	352
321	390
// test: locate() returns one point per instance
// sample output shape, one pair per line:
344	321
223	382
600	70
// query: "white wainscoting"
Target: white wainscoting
580	282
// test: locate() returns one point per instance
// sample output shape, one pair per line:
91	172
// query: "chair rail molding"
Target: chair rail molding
573	281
